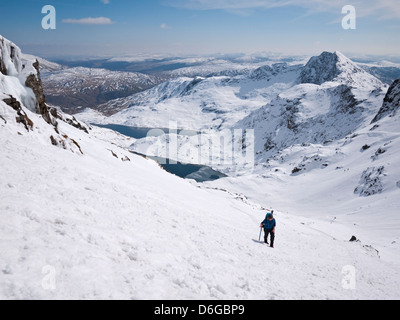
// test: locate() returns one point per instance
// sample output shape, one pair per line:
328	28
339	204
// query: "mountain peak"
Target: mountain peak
329	66
323	68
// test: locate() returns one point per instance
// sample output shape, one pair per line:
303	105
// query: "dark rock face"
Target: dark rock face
21	115
320	69
391	103
13	103
35	83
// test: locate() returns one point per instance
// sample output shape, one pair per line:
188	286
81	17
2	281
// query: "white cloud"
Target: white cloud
383	9
105	1
92	21
165	26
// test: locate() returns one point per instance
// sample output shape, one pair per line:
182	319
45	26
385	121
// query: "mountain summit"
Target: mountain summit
322	68
334	66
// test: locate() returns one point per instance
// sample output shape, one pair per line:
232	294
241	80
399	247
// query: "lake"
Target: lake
199	173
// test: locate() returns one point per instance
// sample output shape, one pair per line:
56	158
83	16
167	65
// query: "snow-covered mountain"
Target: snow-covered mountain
74	89
317	151
336	67
333	98
83	218
201	103
220	102
21	83
98	85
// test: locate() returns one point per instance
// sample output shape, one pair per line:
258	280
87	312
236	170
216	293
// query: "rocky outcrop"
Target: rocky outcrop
391	103
21	79
371	182
21	115
34	82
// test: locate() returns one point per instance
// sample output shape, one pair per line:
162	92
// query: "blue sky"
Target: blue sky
177	27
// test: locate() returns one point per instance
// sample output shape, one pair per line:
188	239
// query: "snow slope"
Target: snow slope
86	219
112	229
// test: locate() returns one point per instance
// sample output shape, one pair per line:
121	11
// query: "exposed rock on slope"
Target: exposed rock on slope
370	182
391	103
22	81
22	97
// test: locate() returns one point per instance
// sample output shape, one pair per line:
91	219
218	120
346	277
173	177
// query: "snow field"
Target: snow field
128	230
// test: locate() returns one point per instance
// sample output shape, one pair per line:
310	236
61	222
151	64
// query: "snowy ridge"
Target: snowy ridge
269	72
334	99
45	65
220	102
212	68
149	235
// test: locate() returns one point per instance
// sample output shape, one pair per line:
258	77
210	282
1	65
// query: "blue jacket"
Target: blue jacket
269	225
